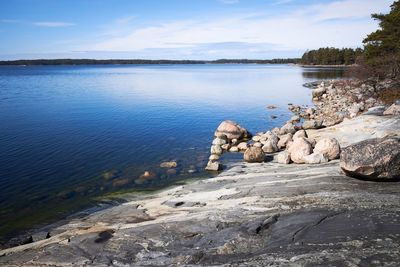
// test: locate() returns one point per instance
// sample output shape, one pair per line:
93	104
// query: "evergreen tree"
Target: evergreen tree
382	47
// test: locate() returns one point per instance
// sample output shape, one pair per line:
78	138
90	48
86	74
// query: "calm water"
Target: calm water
69	134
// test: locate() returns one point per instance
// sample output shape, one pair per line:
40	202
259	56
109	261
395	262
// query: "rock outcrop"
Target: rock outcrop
373	159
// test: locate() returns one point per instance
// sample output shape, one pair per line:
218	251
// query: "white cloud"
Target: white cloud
52	24
341	23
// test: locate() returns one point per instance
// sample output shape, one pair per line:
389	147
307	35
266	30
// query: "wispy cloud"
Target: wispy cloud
331	24
53	24
38	23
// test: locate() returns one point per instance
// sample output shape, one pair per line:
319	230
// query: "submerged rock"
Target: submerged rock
373	159
169	164
253	154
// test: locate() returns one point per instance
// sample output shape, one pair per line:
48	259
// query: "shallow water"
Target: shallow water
69	134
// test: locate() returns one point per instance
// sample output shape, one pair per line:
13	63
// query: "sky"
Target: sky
181	29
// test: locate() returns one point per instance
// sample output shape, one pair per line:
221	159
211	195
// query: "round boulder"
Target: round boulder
328	147
299	149
232	130
373	159
253	154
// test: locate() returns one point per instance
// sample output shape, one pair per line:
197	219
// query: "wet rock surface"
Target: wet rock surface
253	215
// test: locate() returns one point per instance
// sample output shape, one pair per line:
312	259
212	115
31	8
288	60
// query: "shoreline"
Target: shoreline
251	213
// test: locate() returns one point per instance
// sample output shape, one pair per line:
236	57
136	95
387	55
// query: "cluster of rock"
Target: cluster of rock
290	139
338	99
295	146
229	136
333	102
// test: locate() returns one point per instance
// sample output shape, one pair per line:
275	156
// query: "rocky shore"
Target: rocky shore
291	203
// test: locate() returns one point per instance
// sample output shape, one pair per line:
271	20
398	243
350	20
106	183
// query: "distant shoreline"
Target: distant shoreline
44	62
79	62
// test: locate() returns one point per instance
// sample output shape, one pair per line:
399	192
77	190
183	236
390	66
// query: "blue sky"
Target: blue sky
181	29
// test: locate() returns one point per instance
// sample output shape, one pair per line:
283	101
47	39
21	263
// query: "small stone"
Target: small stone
315	158
226	147
312	124
256	138
213	166
300	133
283	157
219	141
272	107
234	149
284	139
169	164
270	146
214	157
216	150
257	144
253	154
243	146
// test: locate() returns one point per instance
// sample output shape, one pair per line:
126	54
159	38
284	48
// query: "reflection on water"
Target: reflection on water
70	134
323	73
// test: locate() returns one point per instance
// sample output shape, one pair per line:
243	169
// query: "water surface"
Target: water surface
69	134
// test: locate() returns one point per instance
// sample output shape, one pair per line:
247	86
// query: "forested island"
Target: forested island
31	62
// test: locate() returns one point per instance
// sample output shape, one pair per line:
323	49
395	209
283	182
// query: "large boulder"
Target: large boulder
299	149
232	130
254	154
373	159
328	147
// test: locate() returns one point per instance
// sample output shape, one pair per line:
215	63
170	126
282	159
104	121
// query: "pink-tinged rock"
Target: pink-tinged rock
372	159
299	149
329	147
232	130
253	154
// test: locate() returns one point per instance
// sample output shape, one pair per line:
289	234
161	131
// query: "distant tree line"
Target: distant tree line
143	61
331	56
